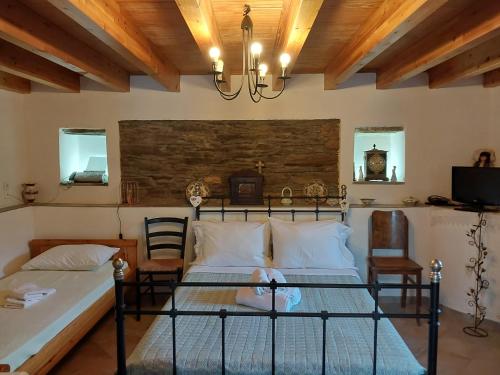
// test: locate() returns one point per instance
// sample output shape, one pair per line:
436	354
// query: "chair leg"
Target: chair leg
404	291
152	290
374	278
419	294
138	294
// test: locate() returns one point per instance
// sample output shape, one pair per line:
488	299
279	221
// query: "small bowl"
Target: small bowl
410	201
367	201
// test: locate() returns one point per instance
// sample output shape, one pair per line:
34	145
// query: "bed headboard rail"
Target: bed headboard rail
128	248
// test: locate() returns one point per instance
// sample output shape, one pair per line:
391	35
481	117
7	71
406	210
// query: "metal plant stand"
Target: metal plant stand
476	265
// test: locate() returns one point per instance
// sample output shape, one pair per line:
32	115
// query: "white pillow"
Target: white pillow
311	244
231	244
83	257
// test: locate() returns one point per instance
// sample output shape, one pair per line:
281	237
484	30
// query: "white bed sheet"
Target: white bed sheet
285	271
24	332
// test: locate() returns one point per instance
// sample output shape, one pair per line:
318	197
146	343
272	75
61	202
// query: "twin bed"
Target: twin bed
35	339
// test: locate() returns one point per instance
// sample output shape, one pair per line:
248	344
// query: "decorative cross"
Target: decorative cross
259	166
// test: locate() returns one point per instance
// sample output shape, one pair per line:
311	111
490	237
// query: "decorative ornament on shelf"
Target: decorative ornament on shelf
129	190
484	157
410	201
315	189
477	267
29	193
376	165
286	196
361	176
253	70
196	191
393	177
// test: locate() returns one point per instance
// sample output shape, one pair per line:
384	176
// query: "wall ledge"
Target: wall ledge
14	207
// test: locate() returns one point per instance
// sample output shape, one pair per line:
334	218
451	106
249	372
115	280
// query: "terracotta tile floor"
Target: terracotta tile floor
458	353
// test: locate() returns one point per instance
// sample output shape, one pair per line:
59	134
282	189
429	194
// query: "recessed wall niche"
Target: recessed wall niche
163	157
379	155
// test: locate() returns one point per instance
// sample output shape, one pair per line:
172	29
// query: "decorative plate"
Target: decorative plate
197	188
317	188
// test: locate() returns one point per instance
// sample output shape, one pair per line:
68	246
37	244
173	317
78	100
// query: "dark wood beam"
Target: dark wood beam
22	63
14	83
200	19
476	61
492	79
106	21
392	20
22	26
473	26
296	21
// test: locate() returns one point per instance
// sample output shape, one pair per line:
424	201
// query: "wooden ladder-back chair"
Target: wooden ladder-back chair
162	234
389	231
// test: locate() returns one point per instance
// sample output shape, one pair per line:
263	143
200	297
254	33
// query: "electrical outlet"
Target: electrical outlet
5	189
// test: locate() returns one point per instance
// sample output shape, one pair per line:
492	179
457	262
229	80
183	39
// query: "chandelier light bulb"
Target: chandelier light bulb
256	49
262	70
214	54
285	60
219	66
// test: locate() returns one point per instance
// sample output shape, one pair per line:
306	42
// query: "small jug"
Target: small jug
286	196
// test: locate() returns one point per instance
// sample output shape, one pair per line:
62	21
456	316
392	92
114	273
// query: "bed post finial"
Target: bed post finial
118	265
436	267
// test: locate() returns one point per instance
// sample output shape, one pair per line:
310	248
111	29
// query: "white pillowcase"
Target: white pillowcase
311	244
83	257
231	244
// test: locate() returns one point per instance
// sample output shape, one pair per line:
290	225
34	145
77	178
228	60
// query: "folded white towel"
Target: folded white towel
30	291
261	297
259	276
246	296
12	303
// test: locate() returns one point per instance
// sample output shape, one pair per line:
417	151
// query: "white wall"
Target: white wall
443	127
16	230
13	147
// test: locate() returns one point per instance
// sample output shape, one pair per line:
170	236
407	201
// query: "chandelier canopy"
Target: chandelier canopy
253	70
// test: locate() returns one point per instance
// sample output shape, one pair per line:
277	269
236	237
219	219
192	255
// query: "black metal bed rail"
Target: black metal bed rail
316	209
273	314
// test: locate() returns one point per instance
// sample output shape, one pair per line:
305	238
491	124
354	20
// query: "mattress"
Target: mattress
248	339
24	332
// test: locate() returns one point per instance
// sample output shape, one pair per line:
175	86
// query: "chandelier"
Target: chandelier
253	70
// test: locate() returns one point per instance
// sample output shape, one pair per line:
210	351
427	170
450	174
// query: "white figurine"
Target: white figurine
361	176
393	177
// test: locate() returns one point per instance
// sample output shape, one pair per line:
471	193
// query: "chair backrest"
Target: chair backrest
389	230
159	237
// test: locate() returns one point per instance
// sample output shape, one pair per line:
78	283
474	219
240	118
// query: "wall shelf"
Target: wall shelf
378	183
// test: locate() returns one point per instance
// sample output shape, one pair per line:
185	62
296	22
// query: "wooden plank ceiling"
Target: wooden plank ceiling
54	42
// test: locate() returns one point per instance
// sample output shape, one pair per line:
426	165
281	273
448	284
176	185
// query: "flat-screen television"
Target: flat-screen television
476	186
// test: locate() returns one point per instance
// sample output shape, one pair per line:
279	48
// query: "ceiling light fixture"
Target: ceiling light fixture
253	69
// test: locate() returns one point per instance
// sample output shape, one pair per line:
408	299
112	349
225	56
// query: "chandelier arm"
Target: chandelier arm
275	96
223	94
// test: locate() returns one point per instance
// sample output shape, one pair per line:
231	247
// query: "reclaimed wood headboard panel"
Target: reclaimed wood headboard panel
163	157
128	248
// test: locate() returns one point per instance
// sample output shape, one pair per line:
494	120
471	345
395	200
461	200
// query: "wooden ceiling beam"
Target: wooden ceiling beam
106	21
391	21
473	26
492	79
22	63
474	62
296	21
14	83
27	29
200	19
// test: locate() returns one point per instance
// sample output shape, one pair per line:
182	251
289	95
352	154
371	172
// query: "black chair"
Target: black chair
162	233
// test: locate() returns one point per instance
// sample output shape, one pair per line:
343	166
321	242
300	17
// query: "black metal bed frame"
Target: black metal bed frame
432	316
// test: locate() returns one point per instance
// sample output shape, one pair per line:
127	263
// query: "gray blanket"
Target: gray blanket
248	339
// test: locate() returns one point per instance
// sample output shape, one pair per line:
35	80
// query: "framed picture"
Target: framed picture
246	188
